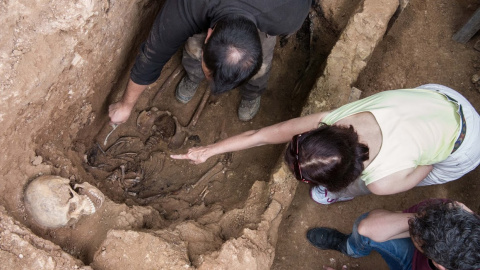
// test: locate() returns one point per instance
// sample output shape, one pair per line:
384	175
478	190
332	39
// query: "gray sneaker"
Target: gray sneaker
248	109
186	90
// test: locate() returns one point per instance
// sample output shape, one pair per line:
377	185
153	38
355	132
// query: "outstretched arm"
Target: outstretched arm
120	112
172	27
400	181
382	225
275	134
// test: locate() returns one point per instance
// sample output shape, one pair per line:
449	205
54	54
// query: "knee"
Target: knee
193	48
366	226
363	229
263	70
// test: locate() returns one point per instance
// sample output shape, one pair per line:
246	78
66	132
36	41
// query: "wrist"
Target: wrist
127	103
208	152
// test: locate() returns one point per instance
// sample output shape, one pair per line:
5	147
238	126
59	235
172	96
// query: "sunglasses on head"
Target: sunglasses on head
296	164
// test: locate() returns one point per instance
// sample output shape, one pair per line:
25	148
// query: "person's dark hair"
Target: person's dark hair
233	53
448	234
330	156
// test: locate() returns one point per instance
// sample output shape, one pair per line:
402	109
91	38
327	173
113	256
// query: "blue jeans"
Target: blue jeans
398	253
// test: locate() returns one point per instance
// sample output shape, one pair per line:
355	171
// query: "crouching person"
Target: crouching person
435	234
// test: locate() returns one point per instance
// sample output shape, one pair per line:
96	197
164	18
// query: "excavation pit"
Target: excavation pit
235	211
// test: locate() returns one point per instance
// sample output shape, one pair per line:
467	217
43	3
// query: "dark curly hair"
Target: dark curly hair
233	53
330	155
448	234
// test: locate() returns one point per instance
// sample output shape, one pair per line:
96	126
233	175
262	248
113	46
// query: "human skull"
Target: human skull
53	203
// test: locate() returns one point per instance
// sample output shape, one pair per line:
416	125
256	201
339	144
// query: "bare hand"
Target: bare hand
196	154
464	207
119	113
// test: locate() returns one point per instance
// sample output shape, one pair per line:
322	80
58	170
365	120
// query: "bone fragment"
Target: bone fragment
114	126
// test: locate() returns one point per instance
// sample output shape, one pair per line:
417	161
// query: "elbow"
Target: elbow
256	137
251	132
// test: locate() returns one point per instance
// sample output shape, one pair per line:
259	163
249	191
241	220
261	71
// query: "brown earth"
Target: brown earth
232	218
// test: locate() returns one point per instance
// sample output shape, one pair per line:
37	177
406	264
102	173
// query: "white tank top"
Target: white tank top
419	127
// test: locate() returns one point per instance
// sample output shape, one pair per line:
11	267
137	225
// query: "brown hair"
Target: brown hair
330	156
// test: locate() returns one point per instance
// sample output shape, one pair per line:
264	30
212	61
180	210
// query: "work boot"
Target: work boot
326	238
186	90
248	109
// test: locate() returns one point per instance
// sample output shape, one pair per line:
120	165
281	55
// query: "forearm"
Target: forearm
383	225
274	134
238	142
132	93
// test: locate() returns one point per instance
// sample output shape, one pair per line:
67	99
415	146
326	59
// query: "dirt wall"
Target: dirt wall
56	56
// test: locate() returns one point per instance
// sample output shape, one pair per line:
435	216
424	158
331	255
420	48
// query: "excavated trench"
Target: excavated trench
148	191
131	164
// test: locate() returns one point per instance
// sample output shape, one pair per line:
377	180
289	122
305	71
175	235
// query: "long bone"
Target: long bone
178	71
216	169
182	132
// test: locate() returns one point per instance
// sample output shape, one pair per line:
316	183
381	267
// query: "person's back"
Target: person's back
182	21
414	124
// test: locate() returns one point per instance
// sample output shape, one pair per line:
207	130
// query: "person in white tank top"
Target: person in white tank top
384	144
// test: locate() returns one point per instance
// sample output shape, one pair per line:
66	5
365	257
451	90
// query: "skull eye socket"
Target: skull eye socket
72	207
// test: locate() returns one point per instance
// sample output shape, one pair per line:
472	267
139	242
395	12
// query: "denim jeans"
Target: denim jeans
398	253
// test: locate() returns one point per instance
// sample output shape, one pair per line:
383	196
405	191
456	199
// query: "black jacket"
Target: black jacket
180	19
